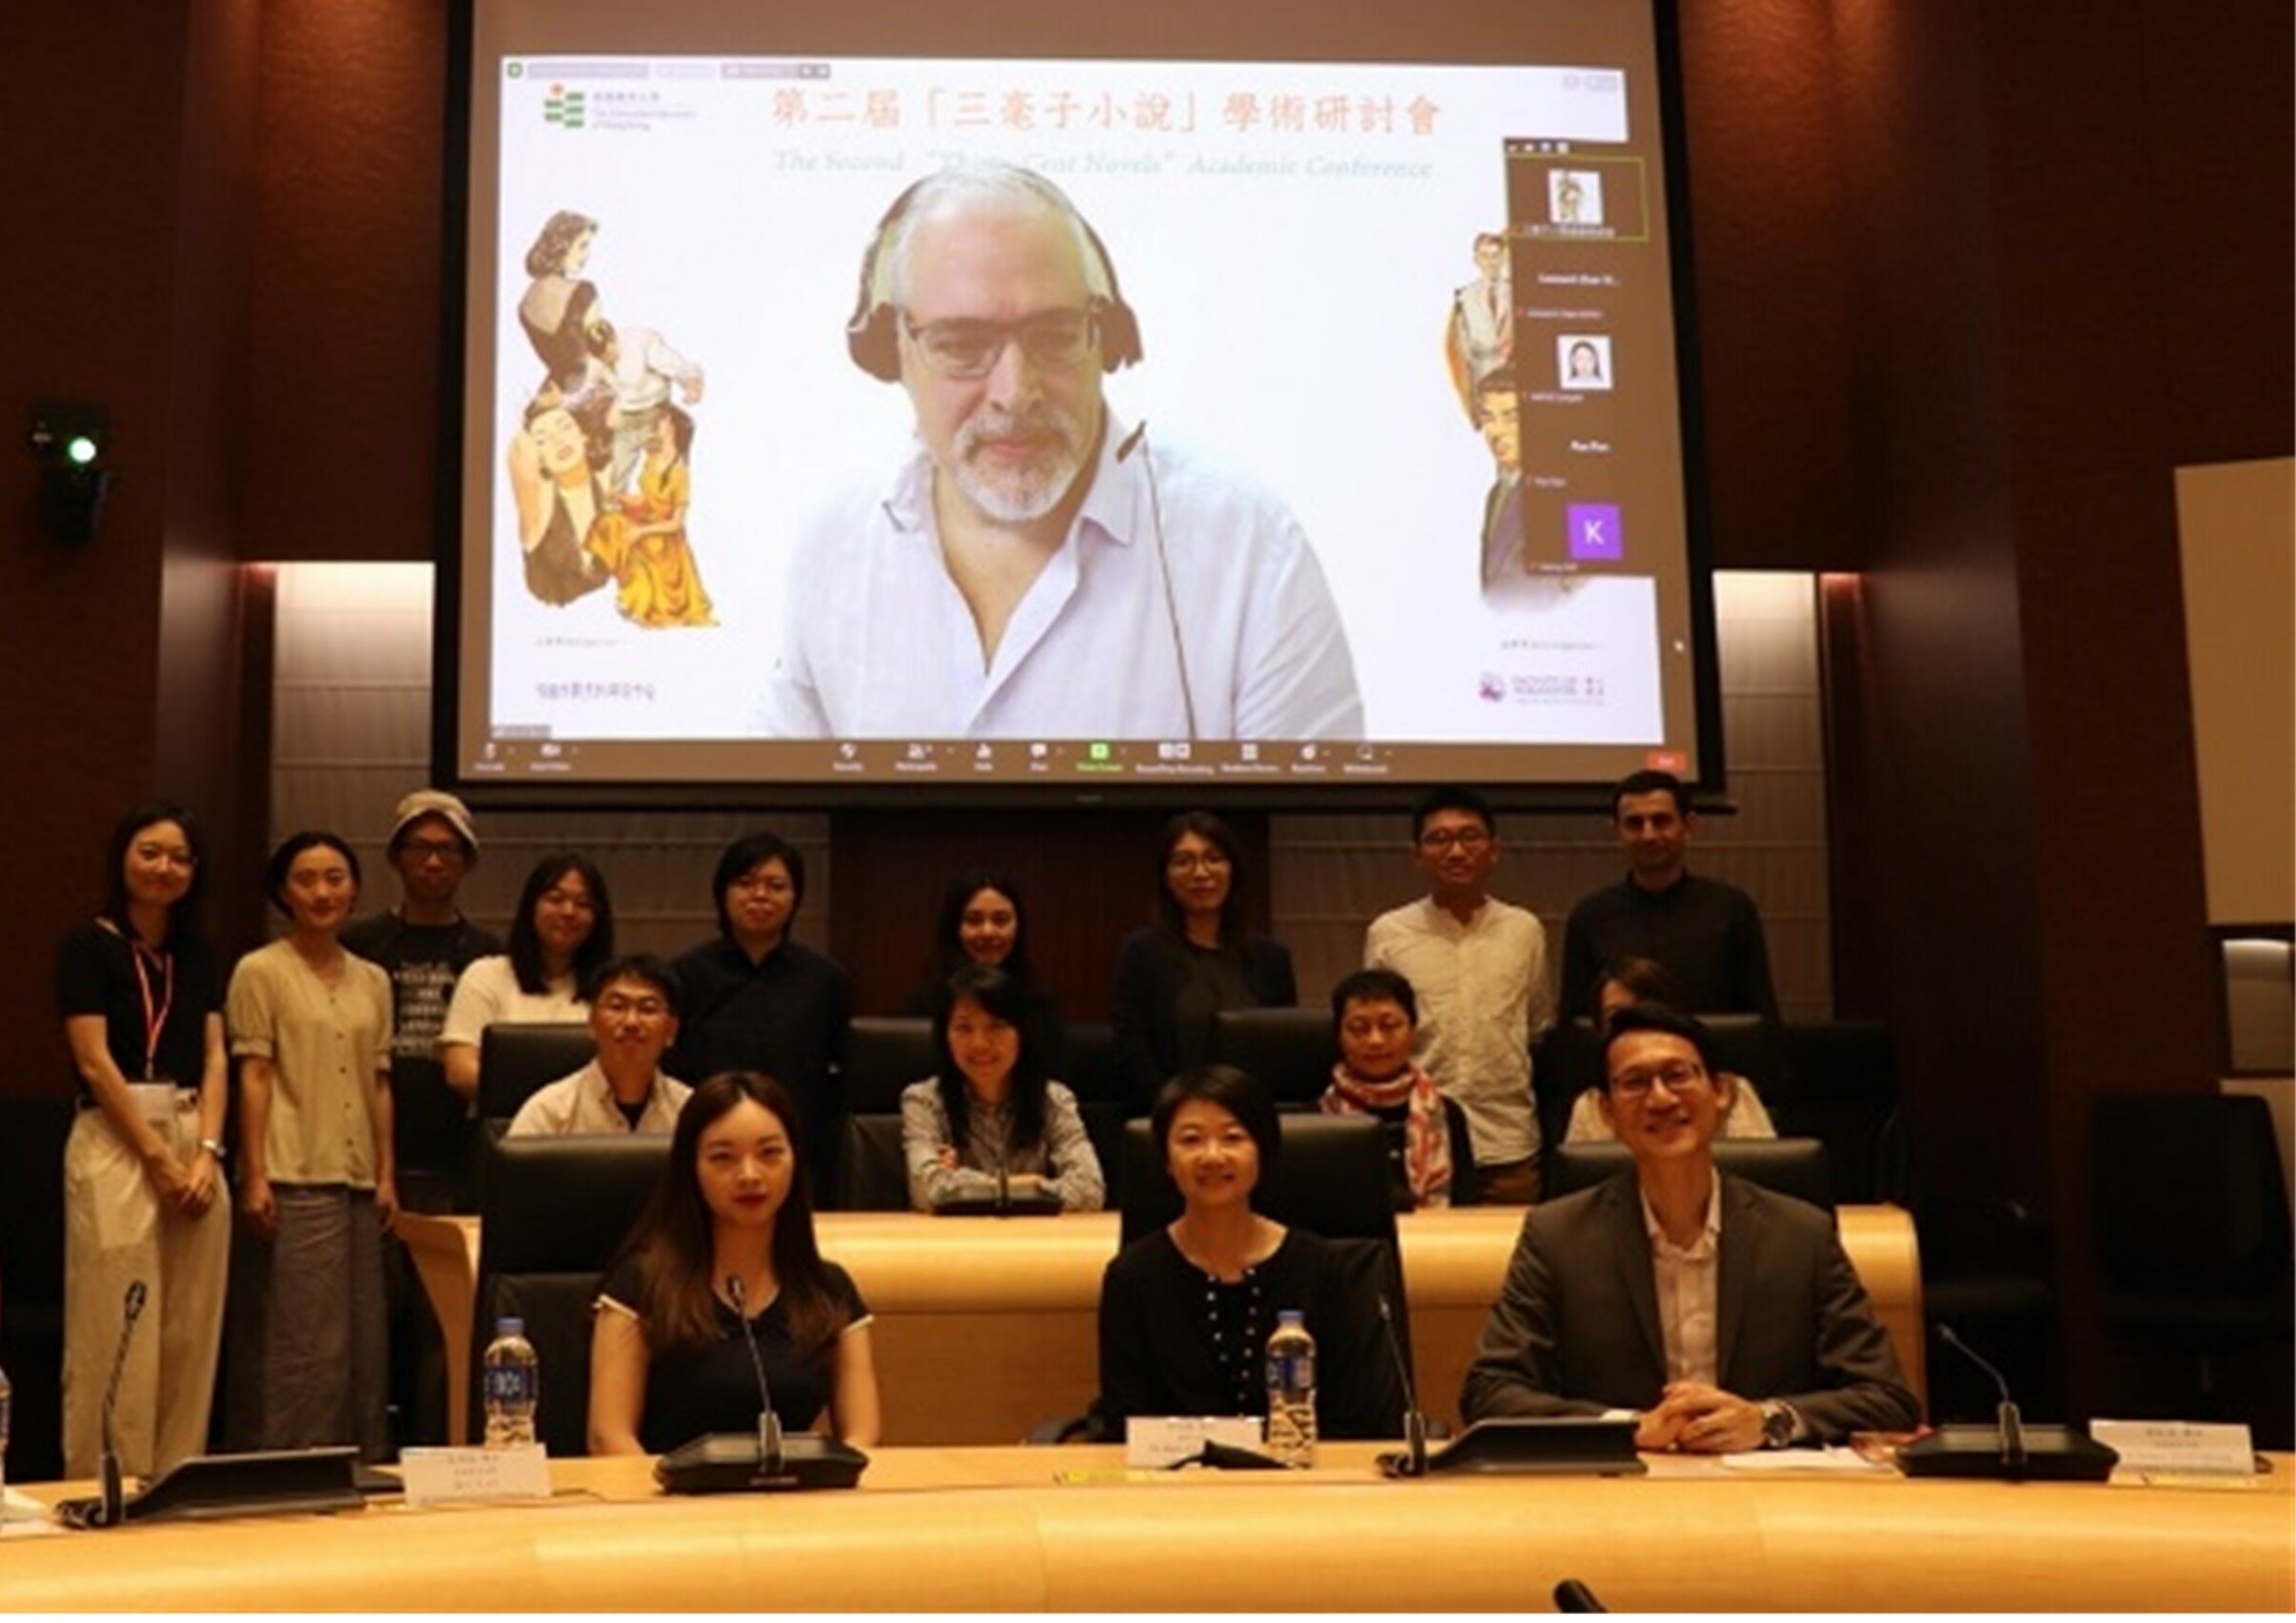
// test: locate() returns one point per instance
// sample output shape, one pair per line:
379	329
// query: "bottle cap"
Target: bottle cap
511	1327
1291	1316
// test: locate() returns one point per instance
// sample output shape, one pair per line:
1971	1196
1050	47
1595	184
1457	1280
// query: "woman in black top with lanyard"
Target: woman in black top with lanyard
1195	961
1186	1312
728	1233
145	1204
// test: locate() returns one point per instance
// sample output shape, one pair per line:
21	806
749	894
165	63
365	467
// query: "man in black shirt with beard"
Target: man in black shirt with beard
1704	934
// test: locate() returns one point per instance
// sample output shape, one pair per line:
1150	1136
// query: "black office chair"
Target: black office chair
1845	1092
877	1170
518	1062
1089	1067
2192	1221
553	1213
1289	1051
1785	1166
884	1054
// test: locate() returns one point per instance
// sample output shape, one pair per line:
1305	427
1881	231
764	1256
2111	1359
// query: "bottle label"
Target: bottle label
1292	1371
511	1384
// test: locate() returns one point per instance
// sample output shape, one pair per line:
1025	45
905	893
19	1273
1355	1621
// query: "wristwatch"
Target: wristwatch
214	1147
1779	1423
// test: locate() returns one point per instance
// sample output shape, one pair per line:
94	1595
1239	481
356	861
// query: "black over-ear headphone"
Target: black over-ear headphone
872	333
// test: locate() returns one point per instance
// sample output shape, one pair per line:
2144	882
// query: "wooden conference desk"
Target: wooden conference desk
985	1328
952	1529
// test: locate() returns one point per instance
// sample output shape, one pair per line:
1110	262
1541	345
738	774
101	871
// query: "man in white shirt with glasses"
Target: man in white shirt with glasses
1038	568
1478	968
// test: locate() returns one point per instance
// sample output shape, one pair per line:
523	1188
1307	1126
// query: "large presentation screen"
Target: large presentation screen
848	404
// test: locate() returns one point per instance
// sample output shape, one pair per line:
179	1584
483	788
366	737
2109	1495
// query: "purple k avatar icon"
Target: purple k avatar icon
1597	536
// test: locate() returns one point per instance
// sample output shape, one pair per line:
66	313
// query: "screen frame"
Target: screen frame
1708	789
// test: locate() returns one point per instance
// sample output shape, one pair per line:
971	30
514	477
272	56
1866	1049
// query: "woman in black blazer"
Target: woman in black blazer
1172	976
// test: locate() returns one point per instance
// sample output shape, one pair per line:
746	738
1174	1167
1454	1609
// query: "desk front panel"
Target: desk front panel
966	1529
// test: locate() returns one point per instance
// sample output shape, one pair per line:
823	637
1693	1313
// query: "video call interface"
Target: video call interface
1249	422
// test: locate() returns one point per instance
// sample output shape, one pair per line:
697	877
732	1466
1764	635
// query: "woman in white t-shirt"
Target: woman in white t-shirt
562	931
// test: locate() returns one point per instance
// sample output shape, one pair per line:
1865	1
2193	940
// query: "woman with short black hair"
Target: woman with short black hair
1186	1312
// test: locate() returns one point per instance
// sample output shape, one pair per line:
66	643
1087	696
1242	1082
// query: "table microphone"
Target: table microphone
1414	1462
112	1510
769	1424
2013	1423
2008	1451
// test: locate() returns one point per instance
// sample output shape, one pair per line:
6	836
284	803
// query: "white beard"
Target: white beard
1019	495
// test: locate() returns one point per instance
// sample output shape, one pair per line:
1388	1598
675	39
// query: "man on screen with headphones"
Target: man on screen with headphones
1038	570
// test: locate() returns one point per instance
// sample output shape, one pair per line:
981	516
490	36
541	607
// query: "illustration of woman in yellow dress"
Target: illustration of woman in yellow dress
644	544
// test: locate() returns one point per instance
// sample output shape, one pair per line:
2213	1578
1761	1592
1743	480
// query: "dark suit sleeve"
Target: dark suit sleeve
1134	1001
1861	1387
1517	1367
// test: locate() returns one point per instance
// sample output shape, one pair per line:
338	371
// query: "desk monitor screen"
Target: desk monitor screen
1281	397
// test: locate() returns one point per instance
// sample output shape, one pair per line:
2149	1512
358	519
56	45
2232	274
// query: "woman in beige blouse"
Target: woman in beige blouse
310	1028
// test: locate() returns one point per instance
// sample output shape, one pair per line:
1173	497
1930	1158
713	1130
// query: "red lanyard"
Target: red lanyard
155	1019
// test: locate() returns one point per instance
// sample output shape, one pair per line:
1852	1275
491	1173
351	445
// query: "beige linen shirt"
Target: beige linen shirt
1481	987
327	1045
584	1102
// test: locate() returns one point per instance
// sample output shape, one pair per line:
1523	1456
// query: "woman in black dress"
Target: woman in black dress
1195	961
668	1360
1186	1312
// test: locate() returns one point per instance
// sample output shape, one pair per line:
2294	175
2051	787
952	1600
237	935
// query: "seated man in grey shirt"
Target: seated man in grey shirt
1725	1317
633	1006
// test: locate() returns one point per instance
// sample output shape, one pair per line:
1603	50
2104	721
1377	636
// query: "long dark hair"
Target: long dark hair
1169	918
525	942
182	919
962	890
678	1304
1011	1000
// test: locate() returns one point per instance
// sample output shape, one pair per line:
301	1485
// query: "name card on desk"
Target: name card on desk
471	1475
1154	1441
2184	1448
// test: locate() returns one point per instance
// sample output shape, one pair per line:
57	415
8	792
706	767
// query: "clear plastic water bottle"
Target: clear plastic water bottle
513	1385
1292	1390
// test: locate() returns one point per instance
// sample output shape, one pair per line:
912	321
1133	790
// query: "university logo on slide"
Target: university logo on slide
564	107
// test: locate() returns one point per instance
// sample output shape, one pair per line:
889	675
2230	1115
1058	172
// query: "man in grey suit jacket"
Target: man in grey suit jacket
1724	1317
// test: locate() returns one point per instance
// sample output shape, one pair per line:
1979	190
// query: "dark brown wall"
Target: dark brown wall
89	170
343	403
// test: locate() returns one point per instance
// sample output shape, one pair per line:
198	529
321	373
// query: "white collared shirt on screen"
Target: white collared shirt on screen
882	644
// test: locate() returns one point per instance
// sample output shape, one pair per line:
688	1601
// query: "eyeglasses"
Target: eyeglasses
1444	838
965	350
422	850
1680	1076
1189	861
621	1008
